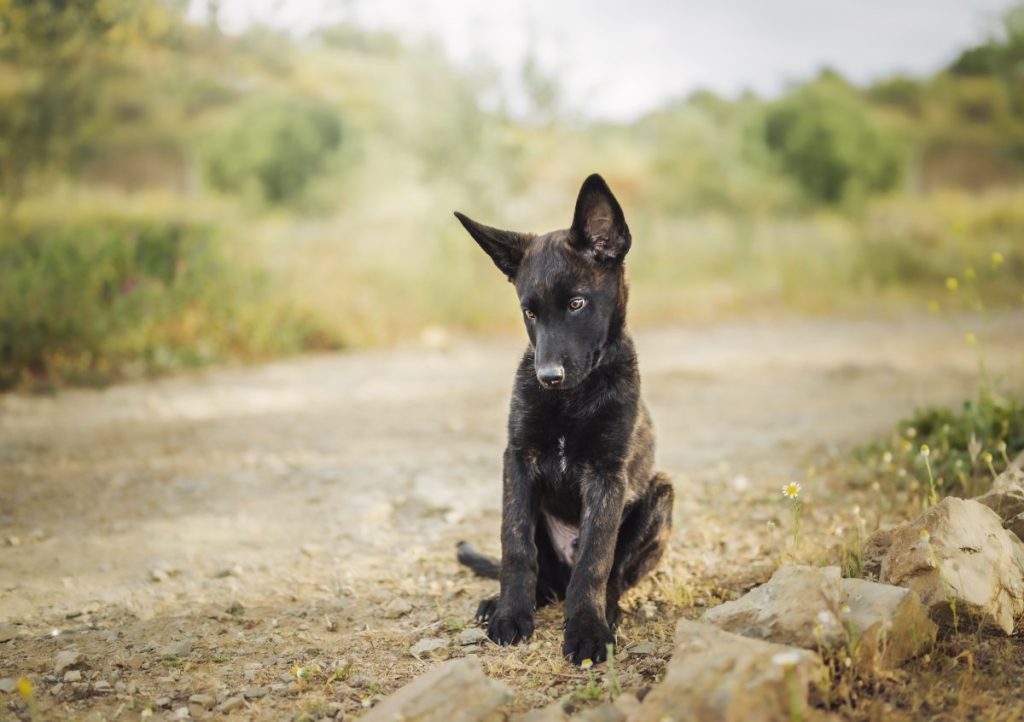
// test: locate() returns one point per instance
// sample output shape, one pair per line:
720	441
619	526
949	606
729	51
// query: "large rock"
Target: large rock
717	676
887	624
785	609
455	691
813	607
962	563
1006	500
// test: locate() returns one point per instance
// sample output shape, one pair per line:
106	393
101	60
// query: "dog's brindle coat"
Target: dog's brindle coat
584	515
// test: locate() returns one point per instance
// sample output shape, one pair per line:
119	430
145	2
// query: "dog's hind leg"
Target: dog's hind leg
643	536
552	573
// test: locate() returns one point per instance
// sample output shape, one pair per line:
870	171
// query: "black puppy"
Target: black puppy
584	515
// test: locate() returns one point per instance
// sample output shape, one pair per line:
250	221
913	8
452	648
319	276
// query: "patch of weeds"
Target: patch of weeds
942	452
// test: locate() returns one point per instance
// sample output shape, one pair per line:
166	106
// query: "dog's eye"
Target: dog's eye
577	303
529	314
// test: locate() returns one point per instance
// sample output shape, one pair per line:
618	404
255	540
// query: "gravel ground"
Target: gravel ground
277	541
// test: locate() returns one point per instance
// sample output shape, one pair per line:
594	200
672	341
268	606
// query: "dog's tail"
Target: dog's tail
482	565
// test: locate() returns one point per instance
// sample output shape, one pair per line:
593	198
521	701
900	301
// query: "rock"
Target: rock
206	701
890	624
785	609
182	713
8	632
102	687
551	713
454	691
471	635
642	649
230	704
67	659
428	646
717	676
8	685
962	563
1006	500
396	608
255	692
73	676
874	551
163	702
181	648
1015	525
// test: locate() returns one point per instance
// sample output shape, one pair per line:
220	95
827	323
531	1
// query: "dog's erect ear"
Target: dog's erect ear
505	248
598	225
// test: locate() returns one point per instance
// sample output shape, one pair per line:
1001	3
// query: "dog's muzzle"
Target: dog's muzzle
551	375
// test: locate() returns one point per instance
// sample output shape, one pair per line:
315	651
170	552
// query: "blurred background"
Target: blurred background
186	182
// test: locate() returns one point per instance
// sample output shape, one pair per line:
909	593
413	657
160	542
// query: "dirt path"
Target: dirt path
304	512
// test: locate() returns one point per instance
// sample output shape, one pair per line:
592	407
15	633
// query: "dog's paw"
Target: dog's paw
486	609
509	628
586	638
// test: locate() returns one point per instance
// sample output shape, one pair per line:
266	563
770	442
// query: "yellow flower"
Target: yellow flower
905	445
587	663
987	457
997	259
786	660
925	536
1001	446
791	490
925	451
971	339
25	688
952	283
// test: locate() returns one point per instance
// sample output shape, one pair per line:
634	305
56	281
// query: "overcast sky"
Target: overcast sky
618	59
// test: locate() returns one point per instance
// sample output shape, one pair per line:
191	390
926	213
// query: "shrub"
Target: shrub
823	136
90	300
273	146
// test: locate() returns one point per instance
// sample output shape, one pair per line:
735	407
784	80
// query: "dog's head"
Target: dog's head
571	283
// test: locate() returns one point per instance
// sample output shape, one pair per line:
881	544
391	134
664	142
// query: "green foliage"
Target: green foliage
277	144
966	448
60	52
825	138
97	297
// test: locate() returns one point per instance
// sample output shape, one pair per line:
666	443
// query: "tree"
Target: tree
53	56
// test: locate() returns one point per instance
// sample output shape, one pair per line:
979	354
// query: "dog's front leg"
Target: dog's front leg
587	634
512	619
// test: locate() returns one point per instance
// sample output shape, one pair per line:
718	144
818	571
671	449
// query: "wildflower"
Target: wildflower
791	490
969	273
587	663
1001	447
786	660
987	457
925	536
845	609
997	259
146	713
952	284
971	339
826	618
905	445
875	486
887	457
856	510
925	451
25	688
847	662
911	432
933	306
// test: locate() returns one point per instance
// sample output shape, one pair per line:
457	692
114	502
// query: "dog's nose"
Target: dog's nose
551	375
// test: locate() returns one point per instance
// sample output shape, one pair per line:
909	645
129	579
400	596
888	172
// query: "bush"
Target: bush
91	300
823	137
273	146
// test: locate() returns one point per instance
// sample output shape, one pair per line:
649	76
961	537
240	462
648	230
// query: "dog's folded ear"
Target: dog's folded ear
598	225
505	248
